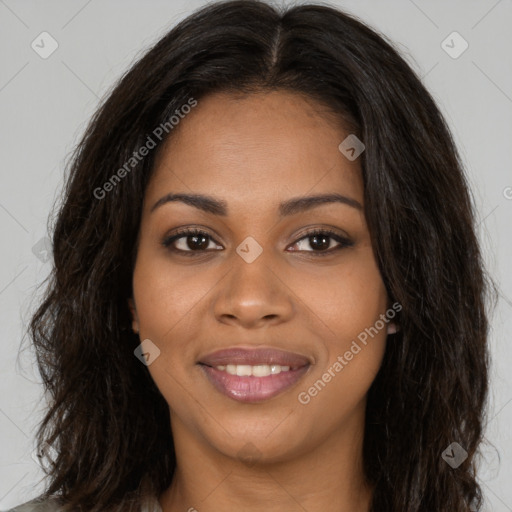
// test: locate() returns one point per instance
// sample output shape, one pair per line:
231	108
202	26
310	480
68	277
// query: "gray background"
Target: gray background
46	103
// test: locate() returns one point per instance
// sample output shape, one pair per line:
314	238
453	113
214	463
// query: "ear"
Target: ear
135	318
392	328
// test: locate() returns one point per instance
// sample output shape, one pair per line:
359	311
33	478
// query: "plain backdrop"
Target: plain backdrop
45	104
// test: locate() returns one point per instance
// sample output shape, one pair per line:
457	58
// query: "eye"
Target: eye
320	240
193	240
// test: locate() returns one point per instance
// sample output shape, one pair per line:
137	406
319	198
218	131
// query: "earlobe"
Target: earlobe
135	318
392	328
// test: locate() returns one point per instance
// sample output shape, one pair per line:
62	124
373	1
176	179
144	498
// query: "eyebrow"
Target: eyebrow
292	206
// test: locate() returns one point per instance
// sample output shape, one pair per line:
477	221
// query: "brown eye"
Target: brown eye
191	240
321	242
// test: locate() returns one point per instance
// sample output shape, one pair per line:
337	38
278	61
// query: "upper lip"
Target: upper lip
254	356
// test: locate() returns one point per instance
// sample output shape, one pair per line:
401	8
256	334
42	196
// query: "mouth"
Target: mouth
253	375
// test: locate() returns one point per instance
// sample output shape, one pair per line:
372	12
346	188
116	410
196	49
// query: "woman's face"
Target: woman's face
255	278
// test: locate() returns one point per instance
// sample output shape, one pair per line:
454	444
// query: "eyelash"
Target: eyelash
344	242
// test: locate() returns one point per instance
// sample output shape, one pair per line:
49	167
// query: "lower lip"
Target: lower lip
252	389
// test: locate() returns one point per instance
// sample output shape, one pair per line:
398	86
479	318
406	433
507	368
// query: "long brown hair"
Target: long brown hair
107	423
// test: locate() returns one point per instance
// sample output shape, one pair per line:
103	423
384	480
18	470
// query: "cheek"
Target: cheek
347	300
168	303
336	393
166	298
347	308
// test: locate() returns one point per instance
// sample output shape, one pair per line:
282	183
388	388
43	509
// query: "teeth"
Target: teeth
259	370
243	370
262	370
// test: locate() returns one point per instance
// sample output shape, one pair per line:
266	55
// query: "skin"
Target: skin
253	152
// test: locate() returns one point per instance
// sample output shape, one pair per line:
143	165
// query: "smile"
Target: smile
260	370
253	375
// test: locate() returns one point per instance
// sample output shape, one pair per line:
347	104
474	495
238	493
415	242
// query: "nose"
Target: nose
253	295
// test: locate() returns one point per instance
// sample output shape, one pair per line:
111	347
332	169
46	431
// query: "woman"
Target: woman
268	293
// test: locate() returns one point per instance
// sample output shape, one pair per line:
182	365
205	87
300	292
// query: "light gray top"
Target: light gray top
51	505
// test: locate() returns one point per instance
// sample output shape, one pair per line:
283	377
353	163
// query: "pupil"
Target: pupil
323	245
195	246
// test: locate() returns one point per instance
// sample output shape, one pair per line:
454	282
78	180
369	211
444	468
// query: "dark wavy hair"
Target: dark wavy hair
107	423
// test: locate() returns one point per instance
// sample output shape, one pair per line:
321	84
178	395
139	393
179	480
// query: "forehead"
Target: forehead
255	149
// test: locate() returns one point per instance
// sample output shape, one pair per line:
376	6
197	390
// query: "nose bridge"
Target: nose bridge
252	291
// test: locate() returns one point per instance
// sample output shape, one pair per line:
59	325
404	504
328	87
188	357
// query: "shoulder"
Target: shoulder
38	505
